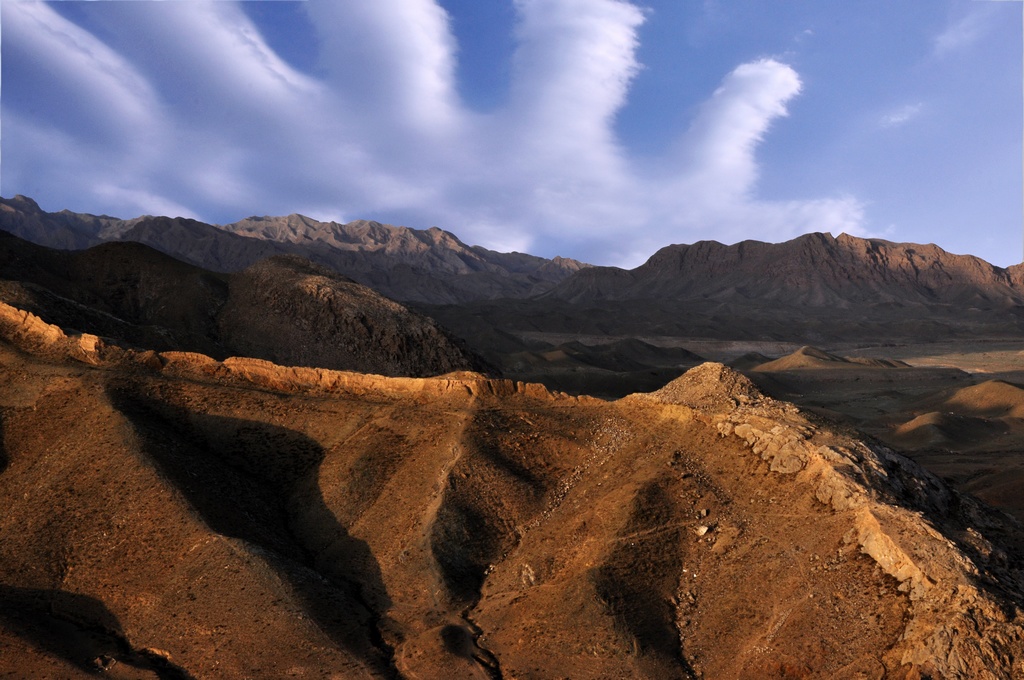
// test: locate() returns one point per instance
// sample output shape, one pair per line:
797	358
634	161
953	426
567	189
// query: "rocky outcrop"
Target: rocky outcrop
924	535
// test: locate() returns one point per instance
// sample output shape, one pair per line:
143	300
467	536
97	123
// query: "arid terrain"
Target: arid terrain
271	471
169	512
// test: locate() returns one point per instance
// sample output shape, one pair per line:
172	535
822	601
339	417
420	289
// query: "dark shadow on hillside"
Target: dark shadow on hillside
475	521
259	483
78	629
5	460
463	540
640	575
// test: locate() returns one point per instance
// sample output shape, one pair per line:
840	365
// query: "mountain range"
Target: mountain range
815	288
405	264
261	466
814	270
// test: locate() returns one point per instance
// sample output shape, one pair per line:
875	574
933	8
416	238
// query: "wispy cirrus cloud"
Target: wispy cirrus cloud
202	117
901	115
965	30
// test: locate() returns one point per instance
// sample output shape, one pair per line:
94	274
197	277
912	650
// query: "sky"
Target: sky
595	129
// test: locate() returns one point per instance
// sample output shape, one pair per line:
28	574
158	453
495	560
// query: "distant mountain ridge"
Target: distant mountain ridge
812	289
416	265
406	264
815	270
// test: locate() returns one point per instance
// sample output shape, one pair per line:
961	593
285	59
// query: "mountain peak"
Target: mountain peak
814	269
25	202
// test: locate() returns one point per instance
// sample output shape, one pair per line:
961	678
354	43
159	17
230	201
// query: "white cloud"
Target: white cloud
901	115
105	90
574	64
966	30
214	122
709	189
719	149
393	58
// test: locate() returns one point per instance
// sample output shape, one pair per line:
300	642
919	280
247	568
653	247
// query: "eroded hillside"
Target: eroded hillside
282	309
169	516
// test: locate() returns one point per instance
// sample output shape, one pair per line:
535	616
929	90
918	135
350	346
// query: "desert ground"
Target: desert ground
170	512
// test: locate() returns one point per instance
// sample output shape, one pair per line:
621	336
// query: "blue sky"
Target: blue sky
595	129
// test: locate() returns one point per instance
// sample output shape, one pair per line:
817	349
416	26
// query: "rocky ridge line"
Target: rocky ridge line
815	270
958	627
412	265
32	335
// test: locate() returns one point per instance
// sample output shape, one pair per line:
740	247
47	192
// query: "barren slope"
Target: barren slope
168	514
814	358
292	312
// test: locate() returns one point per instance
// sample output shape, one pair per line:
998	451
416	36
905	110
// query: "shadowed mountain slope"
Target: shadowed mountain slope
283	309
293	312
174	513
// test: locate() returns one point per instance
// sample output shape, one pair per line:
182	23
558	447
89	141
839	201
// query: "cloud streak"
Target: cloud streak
902	115
187	109
965	31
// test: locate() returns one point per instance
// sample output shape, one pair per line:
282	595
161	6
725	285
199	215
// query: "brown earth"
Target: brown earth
964	425
814	358
168	513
